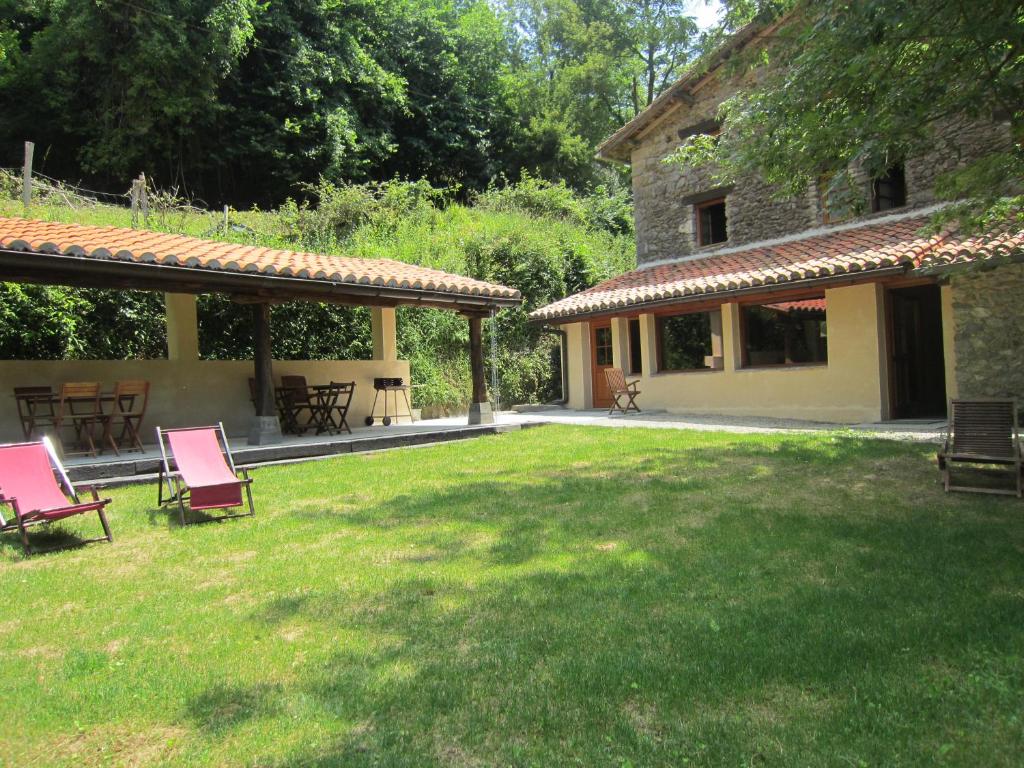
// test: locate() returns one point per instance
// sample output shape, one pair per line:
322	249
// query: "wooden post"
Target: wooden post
26	175
144	199
265	426
135	203
479	409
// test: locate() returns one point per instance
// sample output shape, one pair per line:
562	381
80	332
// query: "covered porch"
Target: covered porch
187	390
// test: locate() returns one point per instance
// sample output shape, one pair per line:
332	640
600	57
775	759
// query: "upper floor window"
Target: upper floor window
684	341
711	222
785	333
889	191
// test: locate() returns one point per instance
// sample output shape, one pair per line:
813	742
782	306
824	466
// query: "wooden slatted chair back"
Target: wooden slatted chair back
80	398
616	379
131	397
299	390
984	428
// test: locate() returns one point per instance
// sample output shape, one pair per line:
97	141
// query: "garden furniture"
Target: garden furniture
619	388
34	485
203	473
127	410
35	408
79	407
982	432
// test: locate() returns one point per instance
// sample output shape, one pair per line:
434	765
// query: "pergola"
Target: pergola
51	253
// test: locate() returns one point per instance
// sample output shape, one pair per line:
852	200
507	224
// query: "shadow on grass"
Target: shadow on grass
670	611
49	539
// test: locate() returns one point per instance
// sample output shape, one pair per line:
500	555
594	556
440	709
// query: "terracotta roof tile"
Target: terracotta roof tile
160	248
859	251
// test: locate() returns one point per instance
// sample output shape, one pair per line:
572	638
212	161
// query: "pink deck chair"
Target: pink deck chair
204	473
35	486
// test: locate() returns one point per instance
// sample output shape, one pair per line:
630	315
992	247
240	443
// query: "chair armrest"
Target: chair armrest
632	384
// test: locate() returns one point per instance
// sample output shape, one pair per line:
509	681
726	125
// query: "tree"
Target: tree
114	86
869	82
588	66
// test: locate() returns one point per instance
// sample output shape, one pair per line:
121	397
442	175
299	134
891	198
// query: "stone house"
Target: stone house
747	304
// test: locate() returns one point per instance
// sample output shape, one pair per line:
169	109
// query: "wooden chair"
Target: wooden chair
337	413
35	408
982	432
299	409
126	411
619	388
203	473
35	486
79	406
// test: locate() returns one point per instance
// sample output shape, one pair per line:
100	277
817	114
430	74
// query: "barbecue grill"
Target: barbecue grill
386	384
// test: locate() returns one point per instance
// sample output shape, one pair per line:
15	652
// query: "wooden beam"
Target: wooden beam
262	360
476	360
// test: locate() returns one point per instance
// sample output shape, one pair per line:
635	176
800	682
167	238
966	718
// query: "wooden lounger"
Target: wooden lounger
982	432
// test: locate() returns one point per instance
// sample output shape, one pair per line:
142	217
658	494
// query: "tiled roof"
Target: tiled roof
805	305
141	246
846	251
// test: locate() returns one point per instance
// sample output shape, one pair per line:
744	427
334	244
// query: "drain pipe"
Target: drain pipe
563	351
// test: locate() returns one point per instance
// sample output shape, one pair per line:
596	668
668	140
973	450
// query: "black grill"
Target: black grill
383	382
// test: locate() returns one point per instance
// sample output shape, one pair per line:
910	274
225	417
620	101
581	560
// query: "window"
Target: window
836	199
786	333
711	225
635	360
684	341
603	346
889	191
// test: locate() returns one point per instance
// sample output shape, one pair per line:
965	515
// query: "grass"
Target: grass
559	596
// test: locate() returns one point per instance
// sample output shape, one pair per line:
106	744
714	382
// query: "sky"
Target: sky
704	12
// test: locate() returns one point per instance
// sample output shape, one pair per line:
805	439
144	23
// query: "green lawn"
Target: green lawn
558	596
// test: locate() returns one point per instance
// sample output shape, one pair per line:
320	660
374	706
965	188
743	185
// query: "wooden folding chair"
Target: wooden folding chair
79	406
296	403
203	474
127	412
336	404
620	388
35	486
35	409
982	432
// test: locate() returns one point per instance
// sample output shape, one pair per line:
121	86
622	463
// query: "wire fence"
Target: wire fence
164	209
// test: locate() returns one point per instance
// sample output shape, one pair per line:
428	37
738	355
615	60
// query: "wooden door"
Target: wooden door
601	358
917	358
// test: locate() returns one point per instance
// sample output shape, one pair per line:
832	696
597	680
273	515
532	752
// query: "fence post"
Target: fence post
135	203
225	218
26	175
144	198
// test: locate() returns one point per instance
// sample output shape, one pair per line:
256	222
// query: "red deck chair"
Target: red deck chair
204	473
37	489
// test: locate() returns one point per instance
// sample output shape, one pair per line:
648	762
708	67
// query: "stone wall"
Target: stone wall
664	194
988	311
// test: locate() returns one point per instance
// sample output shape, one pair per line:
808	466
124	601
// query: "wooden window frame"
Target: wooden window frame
745	363
659	321
610	346
874	197
697	209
